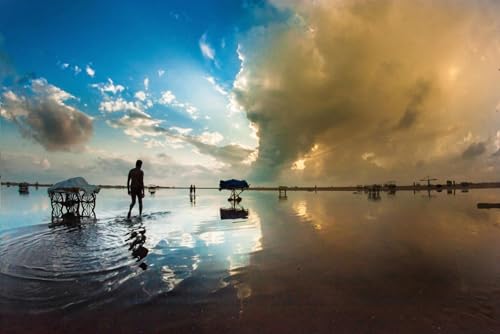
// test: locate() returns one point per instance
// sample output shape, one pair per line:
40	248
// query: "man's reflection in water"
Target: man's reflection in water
192	199
136	241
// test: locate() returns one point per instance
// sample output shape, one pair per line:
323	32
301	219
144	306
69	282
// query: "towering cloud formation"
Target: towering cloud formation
350	91
42	114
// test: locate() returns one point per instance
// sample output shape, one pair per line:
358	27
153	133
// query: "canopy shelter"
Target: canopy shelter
235	186
73	197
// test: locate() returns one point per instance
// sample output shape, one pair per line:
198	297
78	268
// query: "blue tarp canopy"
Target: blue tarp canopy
233	184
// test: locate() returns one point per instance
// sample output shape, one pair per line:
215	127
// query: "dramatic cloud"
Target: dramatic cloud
231	155
211	138
354	91
474	150
41	112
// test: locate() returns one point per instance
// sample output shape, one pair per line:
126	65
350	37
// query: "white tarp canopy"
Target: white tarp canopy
74	184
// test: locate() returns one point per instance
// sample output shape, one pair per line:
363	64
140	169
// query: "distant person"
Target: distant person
194	190
190	189
135	186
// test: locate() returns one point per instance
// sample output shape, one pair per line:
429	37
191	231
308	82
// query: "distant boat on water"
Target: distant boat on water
488	205
24	188
152	189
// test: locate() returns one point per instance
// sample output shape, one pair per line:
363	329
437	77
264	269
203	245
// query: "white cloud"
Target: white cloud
64	66
146	83
43	163
153	143
121	104
77	69
56	94
140	95
167	97
211	138
109	87
205	48
90	71
138	126
192	111
10	95
161	72
216	86
182	131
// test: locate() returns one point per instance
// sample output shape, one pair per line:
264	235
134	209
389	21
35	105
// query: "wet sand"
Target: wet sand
313	263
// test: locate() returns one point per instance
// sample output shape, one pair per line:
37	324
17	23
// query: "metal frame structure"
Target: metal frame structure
235	195
74	201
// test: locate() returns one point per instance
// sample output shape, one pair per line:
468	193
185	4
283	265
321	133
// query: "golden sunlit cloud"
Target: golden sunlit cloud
397	83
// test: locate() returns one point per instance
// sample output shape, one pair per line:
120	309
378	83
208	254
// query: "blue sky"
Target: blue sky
187	50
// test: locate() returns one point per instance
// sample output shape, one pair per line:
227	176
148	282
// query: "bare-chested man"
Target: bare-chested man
136	187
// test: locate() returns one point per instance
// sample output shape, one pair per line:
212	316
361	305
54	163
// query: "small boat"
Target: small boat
152	189
24	188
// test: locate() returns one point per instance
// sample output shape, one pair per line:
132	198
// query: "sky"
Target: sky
277	92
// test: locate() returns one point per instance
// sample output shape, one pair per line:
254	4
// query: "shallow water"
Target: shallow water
331	261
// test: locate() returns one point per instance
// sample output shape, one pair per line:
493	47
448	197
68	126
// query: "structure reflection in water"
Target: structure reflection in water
236	211
310	256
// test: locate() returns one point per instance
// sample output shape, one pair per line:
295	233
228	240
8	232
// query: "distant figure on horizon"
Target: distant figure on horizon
194	190
190	189
136	187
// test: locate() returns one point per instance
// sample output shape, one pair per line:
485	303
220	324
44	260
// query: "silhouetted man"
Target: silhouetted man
136	187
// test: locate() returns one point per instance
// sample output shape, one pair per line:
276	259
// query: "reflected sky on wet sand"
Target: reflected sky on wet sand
331	261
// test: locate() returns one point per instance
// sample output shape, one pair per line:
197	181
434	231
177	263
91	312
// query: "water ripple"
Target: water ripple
68	265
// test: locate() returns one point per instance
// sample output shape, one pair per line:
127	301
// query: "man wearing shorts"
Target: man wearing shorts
135	186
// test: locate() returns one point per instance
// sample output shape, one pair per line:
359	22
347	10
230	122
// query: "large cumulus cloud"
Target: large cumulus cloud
364	90
40	112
